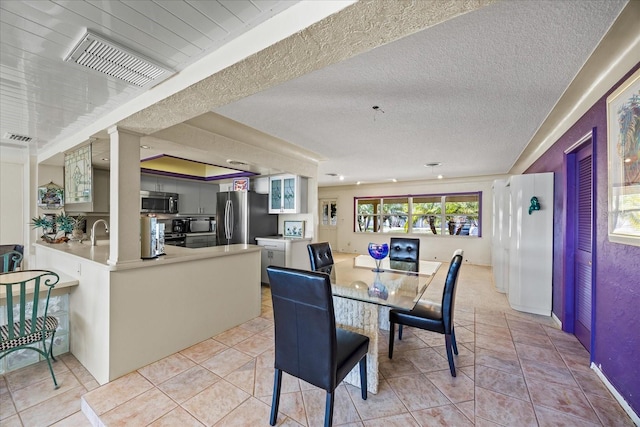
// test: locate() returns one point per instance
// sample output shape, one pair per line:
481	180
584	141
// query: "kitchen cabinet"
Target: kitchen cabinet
197	197
157	183
270	256
530	243
100	193
200	240
282	252
287	194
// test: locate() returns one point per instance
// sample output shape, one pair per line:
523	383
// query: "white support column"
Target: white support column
124	223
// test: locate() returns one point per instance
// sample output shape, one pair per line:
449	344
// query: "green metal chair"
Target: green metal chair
10	261
28	326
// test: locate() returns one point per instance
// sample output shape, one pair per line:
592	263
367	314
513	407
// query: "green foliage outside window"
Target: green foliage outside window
448	214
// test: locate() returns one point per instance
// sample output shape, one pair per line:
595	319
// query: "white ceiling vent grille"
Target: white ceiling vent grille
16	137
107	57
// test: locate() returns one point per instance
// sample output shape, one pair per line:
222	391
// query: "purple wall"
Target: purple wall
616	330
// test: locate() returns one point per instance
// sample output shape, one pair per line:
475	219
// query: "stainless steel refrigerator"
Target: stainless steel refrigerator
242	216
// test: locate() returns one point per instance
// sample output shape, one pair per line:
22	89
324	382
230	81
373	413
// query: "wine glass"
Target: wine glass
378	252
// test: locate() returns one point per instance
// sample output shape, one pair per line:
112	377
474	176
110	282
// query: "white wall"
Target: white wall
477	250
13	200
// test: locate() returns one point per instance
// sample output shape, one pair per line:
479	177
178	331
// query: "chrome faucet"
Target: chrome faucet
93	230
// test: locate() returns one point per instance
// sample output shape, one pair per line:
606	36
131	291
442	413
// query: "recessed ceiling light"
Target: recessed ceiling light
341	178
106	159
440	176
145	147
393	180
332	174
358	183
432	164
236	162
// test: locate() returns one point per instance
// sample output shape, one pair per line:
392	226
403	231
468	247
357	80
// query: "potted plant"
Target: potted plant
63	223
48	223
70	225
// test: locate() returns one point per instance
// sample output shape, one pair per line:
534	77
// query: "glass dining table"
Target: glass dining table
363	297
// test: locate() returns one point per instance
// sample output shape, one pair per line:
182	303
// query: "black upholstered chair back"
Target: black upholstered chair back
305	330
404	253
449	292
320	256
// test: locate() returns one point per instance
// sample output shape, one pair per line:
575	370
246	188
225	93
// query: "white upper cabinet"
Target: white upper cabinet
100	189
287	194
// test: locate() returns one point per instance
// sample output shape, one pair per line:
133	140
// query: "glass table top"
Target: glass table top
356	279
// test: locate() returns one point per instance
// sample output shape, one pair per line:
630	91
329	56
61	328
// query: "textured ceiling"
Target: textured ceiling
469	93
465	83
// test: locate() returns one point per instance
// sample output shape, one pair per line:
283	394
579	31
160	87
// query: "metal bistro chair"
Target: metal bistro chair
308	344
26	327
10	261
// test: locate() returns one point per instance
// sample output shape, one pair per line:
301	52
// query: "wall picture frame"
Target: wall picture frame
241	184
294	229
50	196
623	148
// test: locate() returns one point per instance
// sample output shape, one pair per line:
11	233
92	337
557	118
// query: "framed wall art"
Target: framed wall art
241	184
294	229
623	139
50	196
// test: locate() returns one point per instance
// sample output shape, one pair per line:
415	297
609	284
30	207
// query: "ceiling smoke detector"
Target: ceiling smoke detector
107	57
16	137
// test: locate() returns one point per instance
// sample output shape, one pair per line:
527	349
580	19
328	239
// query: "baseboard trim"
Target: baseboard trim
556	320
616	395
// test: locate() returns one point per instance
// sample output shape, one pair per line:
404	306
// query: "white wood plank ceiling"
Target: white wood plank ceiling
45	98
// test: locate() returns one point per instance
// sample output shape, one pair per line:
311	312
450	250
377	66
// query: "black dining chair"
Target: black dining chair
431	316
404	253
307	343
320	256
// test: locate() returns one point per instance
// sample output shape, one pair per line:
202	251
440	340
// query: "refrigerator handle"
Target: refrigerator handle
226	220
231	220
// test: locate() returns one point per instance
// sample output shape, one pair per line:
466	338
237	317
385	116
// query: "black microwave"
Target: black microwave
157	202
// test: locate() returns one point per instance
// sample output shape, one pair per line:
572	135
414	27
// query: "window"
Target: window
328	212
441	214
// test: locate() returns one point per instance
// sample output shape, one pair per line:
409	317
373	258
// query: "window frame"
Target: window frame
377	217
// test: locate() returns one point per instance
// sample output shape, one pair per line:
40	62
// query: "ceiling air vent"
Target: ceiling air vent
107	57
16	137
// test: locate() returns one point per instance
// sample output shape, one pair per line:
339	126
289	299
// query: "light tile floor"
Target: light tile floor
513	369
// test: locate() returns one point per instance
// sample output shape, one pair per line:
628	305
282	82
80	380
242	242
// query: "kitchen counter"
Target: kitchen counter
125	316
282	238
283	252
173	254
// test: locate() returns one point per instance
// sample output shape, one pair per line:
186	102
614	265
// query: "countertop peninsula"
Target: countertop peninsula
173	254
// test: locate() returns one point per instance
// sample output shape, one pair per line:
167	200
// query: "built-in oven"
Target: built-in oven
175	239
157	202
